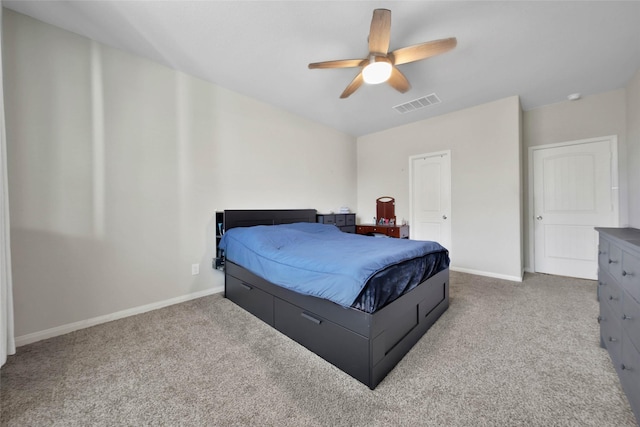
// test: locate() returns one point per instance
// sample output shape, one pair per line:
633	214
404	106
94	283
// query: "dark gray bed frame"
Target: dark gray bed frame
364	345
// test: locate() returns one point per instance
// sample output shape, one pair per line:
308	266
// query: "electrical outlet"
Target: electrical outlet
195	269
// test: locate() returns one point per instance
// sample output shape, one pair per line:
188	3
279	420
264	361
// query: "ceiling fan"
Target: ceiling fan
381	65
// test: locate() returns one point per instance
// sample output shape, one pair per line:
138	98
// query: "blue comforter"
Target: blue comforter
318	259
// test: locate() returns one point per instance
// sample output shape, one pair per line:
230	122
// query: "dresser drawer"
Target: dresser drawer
610	293
364	229
611	332
350	219
604	280
629	372
603	254
252	299
615	262
369	229
630	319
326	219
631	274
323	338
400	232
393	232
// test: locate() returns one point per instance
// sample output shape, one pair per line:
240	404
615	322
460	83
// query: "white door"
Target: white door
431	197
573	192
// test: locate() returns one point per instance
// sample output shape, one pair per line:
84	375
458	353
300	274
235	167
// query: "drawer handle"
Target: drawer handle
625	367
611	261
311	318
246	287
626	273
600	319
601	283
611	298
612	339
625	317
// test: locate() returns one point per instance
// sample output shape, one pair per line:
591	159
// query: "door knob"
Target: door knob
444	217
539	217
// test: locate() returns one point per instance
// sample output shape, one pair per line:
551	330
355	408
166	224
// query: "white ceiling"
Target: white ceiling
539	50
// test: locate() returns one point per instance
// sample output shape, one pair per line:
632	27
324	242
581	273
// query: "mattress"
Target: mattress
319	260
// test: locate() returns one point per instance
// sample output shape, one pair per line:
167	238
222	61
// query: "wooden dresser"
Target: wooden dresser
385	214
619	296
398	231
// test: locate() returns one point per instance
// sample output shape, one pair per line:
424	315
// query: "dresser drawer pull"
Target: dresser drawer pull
611	261
612	339
612	298
600	319
625	367
246	287
625	317
626	273
601	283
311	318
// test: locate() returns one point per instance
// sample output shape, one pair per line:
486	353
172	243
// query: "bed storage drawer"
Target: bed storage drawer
249	297
337	345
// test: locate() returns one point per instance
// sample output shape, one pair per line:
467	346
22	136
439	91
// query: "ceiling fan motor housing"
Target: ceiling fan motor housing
378	70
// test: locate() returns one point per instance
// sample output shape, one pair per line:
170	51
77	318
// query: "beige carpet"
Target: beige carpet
504	354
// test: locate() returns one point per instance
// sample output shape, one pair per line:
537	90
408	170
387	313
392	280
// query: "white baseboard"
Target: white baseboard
488	274
70	327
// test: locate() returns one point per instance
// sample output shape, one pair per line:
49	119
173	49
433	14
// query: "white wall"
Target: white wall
486	189
592	116
117	165
633	148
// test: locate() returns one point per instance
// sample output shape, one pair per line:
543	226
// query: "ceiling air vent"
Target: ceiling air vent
416	104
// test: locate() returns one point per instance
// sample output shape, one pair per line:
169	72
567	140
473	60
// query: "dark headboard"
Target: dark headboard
248	218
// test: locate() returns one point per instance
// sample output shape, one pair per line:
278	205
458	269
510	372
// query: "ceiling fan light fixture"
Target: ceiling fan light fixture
376	71
380	65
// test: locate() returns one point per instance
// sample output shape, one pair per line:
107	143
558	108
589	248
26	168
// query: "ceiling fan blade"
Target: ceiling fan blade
353	86
341	63
380	31
422	51
398	81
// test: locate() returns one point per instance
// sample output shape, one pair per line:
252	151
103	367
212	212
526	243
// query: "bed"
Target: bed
366	342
